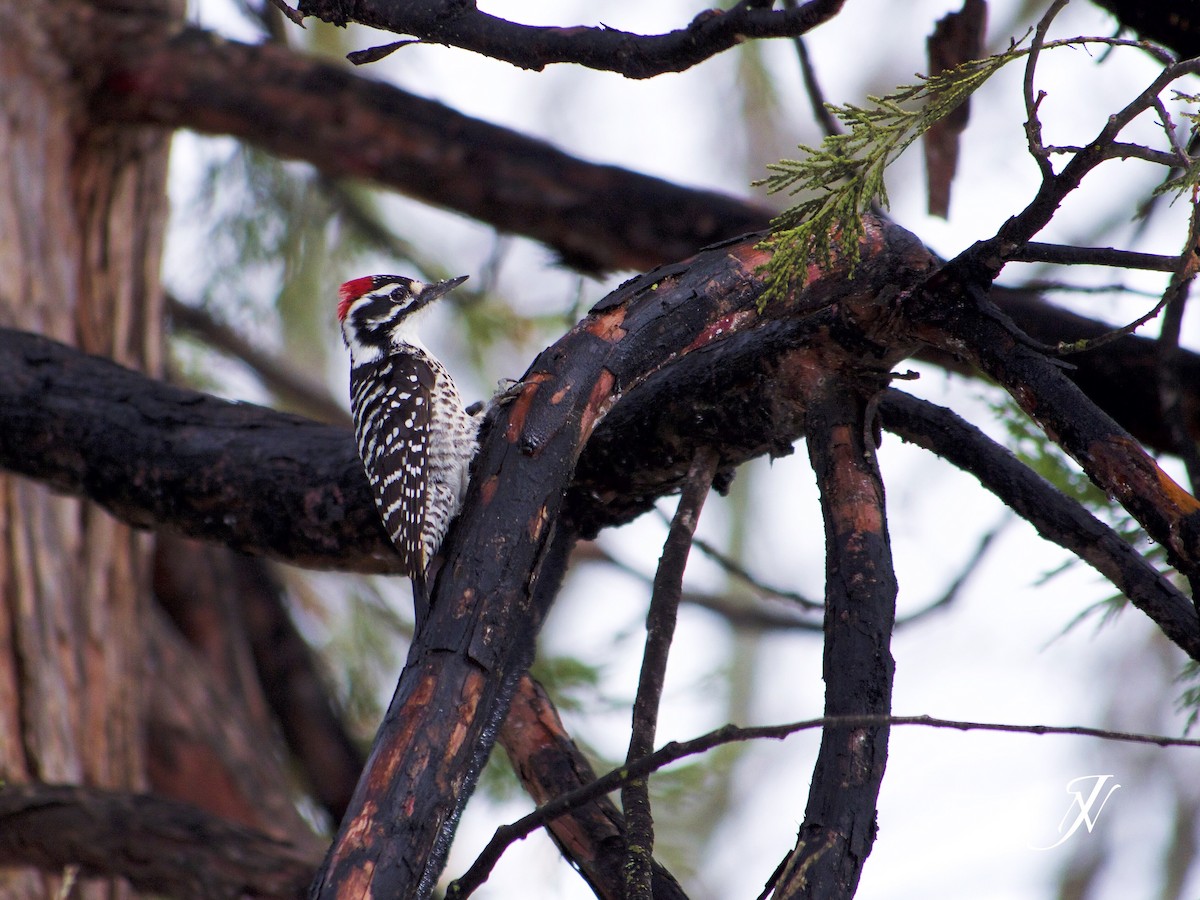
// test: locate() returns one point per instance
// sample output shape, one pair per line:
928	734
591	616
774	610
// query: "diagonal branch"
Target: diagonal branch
591	835
596	217
952	312
459	24
660	631
1056	516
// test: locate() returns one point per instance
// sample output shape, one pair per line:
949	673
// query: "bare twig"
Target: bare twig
951	593
812	87
1055	187
506	835
1066	348
1033	125
660	630
1170	388
1066	255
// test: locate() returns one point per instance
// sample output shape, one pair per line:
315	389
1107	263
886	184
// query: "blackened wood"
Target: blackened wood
860	610
462	24
952	312
159	846
550	764
597	217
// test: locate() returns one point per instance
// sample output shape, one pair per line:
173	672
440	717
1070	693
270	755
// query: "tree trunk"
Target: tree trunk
81	219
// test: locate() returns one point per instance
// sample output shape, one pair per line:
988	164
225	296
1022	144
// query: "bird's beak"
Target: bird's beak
432	291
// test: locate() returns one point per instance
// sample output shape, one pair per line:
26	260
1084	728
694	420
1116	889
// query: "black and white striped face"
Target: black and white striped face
378	313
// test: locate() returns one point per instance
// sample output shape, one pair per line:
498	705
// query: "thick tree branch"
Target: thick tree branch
160	846
596	217
458	23
860	611
952	312
272	484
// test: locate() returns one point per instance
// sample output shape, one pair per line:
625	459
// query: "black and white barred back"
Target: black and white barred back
415	438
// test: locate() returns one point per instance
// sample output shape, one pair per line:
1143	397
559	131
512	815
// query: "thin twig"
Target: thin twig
1170	388
812	87
1020	228
736	569
1066	255
1033	125
506	835
737	614
1066	348
1047	286
660	630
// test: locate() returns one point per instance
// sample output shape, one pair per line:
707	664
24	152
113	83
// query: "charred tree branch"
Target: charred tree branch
860	597
591	834
1056	516
952	311
597	217
1065	255
460	24
160	846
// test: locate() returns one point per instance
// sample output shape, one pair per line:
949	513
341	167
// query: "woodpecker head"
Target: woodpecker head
379	312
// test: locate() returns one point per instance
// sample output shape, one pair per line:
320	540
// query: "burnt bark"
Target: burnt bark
550	764
953	311
462	25
860	611
158	845
596	217
1056	517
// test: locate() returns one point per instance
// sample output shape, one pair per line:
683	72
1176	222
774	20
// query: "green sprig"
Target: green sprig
846	172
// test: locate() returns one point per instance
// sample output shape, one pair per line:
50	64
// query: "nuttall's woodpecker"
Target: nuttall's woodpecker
415	438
